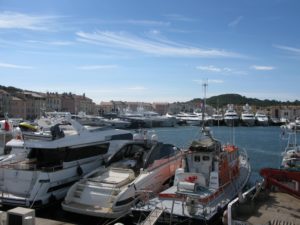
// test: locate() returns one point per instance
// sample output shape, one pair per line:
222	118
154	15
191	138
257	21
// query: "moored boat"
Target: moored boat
212	175
261	119
110	191
247	116
231	117
48	167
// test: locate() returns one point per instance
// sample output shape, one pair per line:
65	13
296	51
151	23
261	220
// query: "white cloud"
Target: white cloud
97	67
210	81
146	22
55	43
216	81
137	88
264	68
15	20
149	46
288	48
212	68
14	66
235	22
209	68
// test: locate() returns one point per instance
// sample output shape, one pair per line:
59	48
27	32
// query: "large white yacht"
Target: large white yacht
143	118
217	117
189	118
231	117
261	118
49	166
247	116
110	191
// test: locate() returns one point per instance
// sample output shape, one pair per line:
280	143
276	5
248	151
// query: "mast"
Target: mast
204	103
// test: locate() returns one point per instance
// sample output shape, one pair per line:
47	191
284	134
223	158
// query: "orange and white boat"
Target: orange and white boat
212	175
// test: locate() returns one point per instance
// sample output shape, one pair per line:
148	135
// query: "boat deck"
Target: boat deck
273	208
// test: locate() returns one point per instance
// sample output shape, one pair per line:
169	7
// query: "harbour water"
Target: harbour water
263	144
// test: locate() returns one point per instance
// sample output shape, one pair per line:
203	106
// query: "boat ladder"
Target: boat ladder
152	217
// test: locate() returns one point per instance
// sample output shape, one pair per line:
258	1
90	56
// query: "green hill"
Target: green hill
236	99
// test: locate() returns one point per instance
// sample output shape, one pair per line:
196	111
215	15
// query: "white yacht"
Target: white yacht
217	117
143	118
291	154
294	126
247	116
189	118
261	119
110	191
49	166
231	117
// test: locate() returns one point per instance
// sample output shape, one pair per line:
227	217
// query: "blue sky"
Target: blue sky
152	51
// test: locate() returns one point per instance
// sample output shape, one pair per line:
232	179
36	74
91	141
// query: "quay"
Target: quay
25	216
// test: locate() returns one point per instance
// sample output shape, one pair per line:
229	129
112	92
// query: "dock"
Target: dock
277	208
27	216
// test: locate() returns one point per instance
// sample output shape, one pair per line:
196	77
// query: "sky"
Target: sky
152	50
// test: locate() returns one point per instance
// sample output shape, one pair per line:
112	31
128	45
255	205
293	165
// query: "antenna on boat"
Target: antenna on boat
205	84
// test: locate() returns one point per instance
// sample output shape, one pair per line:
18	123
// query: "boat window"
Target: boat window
48	157
161	151
128	136
197	158
205	158
87	151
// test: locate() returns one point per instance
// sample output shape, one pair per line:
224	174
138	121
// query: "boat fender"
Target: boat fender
79	171
225	217
6	126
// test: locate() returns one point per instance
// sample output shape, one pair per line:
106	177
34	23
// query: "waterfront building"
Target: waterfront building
17	108
53	102
4	102
161	107
34	103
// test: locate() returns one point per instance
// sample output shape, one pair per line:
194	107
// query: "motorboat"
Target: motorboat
295	125
218	118
291	153
247	116
110	191
89	120
143	118
191	119
47	167
261	118
231	117
212	175
117	123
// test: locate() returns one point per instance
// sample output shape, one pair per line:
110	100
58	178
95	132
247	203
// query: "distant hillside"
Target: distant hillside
10	89
236	99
